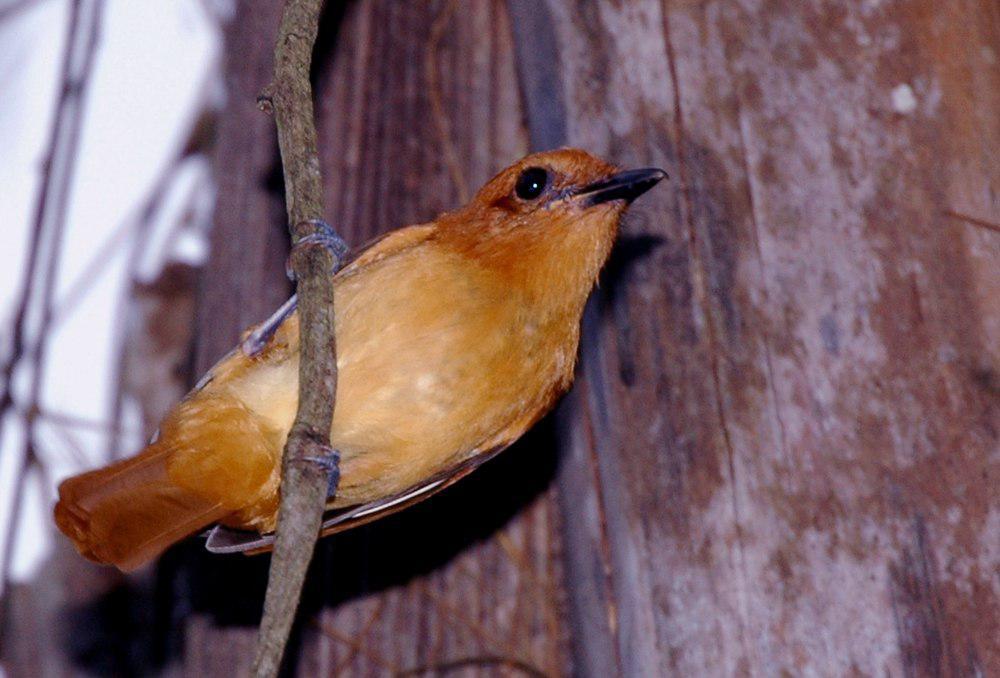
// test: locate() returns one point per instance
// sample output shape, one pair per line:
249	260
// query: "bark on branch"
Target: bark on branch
304	483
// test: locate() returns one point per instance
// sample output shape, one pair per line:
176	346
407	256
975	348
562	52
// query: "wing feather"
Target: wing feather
371	252
227	540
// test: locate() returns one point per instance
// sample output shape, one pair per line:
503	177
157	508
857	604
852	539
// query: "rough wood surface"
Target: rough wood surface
217	602
473	574
781	455
420	105
784	445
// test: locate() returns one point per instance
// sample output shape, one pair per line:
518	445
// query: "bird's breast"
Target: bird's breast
437	358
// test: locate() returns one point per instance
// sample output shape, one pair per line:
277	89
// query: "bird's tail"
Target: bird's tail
127	513
215	460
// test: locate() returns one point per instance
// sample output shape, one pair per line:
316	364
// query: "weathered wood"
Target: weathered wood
473	573
586	563
781	453
788	395
419	106
242	282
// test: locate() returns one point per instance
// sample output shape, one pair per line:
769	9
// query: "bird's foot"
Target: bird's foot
324	236
329	461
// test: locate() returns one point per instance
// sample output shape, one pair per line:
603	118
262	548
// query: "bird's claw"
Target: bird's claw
329	461
324	236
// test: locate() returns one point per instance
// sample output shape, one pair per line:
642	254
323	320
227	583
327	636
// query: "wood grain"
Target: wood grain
781	454
788	402
217	602
474	573
420	105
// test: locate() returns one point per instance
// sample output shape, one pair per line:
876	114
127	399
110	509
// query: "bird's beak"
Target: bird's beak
625	186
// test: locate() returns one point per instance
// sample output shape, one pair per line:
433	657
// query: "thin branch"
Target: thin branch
357	644
38	282
440	668
304	482
981	223
14	9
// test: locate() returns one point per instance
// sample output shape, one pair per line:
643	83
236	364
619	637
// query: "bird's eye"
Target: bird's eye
531	183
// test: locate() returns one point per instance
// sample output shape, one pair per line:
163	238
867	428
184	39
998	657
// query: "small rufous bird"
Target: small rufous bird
453	337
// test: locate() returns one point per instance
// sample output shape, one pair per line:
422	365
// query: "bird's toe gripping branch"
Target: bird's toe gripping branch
329	461
324	236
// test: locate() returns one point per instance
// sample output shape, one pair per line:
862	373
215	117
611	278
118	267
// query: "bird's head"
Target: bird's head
548	221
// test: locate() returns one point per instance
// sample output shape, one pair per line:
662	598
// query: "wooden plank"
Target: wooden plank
244	279
216	602
433	585
780	453
788	392
586	552
419	106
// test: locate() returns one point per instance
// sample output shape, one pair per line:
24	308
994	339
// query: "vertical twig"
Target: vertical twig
38	281
304	483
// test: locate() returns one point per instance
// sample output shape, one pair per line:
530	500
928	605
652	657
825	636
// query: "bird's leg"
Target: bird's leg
324	236
257	340
329	461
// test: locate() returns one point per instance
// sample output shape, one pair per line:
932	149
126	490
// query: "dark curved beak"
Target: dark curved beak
626	186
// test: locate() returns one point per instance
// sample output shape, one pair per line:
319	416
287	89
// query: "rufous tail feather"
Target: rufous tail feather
128	513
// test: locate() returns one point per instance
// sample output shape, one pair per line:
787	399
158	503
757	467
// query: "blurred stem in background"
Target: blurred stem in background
35	307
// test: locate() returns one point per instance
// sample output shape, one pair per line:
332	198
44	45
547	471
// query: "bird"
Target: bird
453	337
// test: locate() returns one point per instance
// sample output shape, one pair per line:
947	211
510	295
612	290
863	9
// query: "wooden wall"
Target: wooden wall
780	456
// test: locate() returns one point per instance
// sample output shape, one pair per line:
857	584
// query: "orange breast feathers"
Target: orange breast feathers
453	338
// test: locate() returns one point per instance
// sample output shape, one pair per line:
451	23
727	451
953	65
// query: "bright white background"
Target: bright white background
156	70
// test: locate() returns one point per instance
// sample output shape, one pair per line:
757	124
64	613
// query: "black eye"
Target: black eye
531	183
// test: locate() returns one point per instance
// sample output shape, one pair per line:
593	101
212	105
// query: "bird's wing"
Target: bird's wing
228	540
385	245
223	539
373	251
